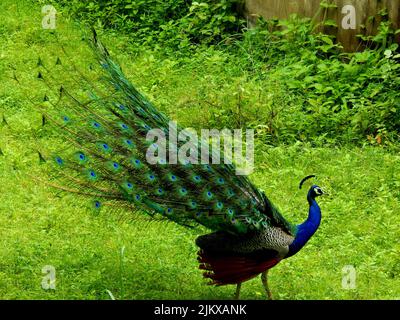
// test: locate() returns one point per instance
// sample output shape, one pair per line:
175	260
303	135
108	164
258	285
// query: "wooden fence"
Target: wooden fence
352	17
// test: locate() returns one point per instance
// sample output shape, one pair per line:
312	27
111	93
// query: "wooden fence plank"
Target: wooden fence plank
309	8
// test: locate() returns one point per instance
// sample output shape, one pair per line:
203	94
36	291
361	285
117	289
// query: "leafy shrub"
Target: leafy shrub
175	23
340	97
282	77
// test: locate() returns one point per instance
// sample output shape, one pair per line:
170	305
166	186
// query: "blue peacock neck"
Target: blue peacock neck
305	230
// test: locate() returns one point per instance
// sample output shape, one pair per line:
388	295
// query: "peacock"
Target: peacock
103	127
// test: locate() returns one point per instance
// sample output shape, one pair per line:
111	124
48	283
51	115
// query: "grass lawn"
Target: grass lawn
95	254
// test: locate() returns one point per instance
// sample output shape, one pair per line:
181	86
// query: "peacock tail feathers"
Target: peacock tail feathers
102	121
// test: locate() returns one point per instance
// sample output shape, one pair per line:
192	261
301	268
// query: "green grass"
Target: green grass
39	227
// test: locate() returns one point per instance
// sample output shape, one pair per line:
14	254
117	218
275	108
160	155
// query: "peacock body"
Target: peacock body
103	157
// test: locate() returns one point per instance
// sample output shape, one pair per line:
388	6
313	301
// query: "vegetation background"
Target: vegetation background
314	109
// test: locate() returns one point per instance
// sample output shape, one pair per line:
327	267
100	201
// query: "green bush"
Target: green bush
175	23
283	77
345	97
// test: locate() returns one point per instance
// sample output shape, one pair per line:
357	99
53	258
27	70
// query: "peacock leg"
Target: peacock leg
264	280
237	293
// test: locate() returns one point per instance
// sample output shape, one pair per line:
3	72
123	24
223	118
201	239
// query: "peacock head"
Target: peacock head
315	191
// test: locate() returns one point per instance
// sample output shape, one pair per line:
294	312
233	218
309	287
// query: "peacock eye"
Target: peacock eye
318	191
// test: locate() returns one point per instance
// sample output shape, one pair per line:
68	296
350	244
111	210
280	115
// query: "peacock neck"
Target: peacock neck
305	230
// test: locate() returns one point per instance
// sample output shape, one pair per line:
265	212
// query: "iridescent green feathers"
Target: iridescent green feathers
103	125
